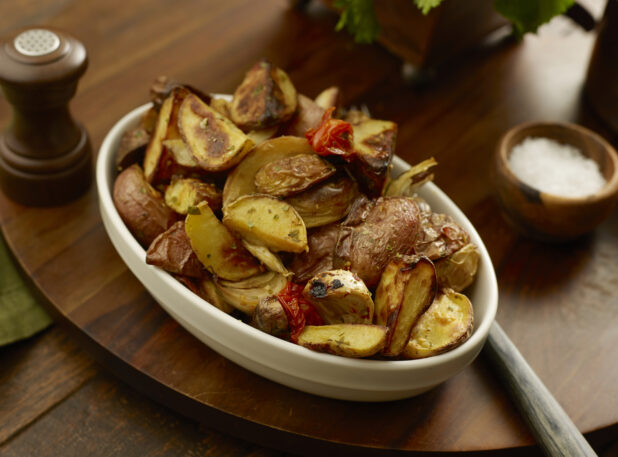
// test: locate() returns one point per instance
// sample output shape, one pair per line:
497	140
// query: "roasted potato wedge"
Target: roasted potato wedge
374	233
447	323
269	317
171	250
325	203
268	258
266	97
155	146
159	161
308	116
241	181
319	257
267	221
439	236
347	340
215	142
407	288
132	147
410	180
141	206
245	295
219	251
458	270
329	97
184	194
163	86
374	145
292	175
339	296
180	156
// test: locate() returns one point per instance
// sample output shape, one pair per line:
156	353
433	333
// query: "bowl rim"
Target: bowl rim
609	189
105	164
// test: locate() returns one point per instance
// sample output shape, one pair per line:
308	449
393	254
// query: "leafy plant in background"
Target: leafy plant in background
359	19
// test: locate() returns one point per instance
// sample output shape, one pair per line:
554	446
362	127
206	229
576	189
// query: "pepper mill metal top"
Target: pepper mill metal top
45	156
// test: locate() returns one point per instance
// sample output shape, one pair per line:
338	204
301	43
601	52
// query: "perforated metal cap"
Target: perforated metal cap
40	55
36	42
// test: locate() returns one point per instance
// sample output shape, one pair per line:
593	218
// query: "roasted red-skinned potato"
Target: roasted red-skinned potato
266	97
141	206
172	251
319	257
292	175
308	116
407	288
374	233
327	202
132	147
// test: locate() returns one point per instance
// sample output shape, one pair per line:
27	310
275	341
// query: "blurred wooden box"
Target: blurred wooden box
428	40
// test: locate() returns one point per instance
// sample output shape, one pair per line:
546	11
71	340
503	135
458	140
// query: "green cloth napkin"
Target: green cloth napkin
21	315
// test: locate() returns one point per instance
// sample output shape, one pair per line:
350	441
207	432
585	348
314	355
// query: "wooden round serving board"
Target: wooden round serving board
557	302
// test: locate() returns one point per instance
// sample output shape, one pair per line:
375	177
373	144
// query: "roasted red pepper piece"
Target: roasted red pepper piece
331	137
298	310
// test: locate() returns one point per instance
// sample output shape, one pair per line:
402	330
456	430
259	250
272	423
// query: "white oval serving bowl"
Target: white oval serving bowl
281	361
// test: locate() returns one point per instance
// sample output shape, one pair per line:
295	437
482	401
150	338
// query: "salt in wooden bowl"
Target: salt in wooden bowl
547	216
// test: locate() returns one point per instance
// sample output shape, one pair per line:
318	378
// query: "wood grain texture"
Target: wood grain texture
551	426
57	360
556	302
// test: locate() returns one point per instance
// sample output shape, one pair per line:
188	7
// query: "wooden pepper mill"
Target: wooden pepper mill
45	156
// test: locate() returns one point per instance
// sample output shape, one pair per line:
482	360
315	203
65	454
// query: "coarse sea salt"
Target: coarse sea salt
555	168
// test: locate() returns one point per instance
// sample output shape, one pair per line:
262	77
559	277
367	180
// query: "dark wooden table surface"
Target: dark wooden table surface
556	301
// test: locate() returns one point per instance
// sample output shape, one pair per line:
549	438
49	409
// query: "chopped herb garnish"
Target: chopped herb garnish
259	88
294	235
194	210
276	217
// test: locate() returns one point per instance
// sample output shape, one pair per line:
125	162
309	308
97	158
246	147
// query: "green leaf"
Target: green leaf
359	19
426	5
528	15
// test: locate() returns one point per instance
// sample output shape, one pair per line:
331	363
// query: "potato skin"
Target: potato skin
132	147
308	116
292	175
141	206
439	236
269	317
172	251
325	203
374	233
319	258
407	288
241	180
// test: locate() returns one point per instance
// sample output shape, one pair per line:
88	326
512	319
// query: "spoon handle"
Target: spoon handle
551	426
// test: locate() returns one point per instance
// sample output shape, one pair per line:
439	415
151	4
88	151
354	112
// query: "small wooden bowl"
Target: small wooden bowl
552	217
